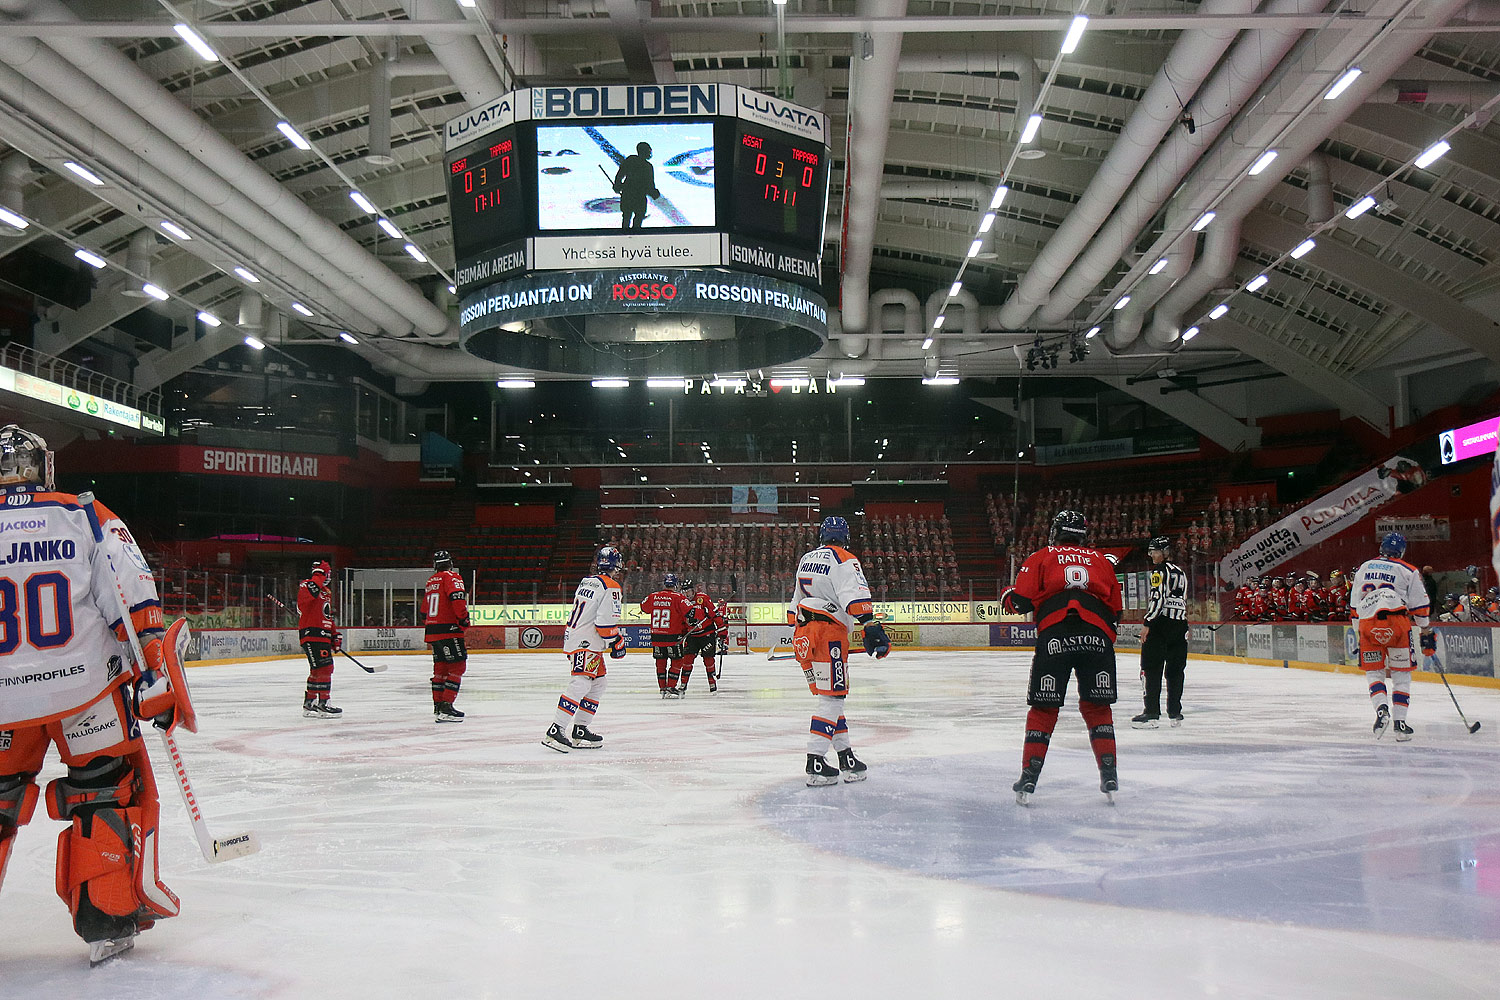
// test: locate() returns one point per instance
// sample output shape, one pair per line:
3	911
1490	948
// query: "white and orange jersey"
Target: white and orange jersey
830	581
58	606
1390	585
595	618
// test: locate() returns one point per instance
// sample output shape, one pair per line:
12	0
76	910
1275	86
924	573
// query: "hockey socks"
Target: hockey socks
319	683
1400	696
1039	725
1101	725
661	675
1377	688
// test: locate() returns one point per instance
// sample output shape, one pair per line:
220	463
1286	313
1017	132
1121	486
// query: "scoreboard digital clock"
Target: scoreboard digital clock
780	186
485	194
619	176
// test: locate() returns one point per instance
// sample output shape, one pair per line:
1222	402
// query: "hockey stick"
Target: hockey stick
379	667
1433	659
213	849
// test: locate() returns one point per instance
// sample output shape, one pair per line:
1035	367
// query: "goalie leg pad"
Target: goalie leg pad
107	858
18	795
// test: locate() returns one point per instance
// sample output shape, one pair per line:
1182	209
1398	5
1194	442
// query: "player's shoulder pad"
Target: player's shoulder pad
608	581
839	554
1403	562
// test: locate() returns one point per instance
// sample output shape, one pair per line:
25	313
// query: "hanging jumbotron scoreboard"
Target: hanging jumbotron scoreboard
600	213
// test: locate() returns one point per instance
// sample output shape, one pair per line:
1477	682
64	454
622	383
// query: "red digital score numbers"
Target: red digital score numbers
782	185
481	178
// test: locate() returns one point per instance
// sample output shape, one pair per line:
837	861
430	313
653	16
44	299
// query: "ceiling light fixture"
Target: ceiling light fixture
937	324
927	344
91	259
955	288
255	343
986	222
416	254
1189	333
160	294
999	197
348	337
1360	207
1158	267
300	308
1343	83
84	172
1432	154
665	383
390	229
975	247
247	275
941	380
209	320
1203	221
1262	162
176	230
365	204
1093	332
1075	34
1122	303
293	136
515	383
1257	283
1029	132
610	383
1219	310
1303	249
12	219
197	43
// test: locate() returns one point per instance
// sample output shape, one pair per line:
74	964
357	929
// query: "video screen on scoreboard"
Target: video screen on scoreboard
484	195
658	175
780	186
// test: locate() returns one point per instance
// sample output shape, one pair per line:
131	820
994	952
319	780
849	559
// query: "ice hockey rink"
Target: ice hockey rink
1266	848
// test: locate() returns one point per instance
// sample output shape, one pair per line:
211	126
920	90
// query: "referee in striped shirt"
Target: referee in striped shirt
1164	646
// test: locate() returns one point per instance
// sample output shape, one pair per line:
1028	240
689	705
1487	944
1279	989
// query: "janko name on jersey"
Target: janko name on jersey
50	550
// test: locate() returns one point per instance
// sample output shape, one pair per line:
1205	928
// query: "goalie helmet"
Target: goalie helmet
1069	527
24	457
442	560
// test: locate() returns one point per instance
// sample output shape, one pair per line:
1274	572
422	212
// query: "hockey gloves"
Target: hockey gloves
617	647
338	642
1014	604
877	643
723	647
1428	641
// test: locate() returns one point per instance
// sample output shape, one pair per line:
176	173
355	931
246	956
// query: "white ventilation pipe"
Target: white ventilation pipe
15	174
250	316
1320	204
1127	322
28	89
967	314
1022	67
872	84
870	345
1189	63
461	56
1466	93
1249	62
221	164
1220	252
382	73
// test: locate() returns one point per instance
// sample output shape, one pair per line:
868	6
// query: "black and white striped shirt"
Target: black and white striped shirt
1169	588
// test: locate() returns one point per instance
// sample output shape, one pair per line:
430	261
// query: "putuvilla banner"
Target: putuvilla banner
1321	519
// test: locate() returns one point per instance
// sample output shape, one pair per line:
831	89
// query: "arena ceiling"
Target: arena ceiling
1159	116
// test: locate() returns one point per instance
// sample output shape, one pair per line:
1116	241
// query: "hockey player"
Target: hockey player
446	606
1259	603
707	631
1242	599
1276	601
66	684
320	640
829	596
1076	599
1387	598
1164	645
593	628
1336	596
667	609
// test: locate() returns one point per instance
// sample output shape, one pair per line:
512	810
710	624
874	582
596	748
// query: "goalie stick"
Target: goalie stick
214	850
378	668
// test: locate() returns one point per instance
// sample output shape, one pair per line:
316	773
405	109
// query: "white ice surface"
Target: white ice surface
1265	849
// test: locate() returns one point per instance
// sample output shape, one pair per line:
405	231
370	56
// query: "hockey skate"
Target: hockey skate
820	772
671	692
585	739
556	739
851	766
443	711
1176	720
314	709
1403	731
328	711
1026	784
1109	779
103	951
1382	720
1146	721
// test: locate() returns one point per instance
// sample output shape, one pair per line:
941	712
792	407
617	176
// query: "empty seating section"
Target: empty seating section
740	562
504	559
908	557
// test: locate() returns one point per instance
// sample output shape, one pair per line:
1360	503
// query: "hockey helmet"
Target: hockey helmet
24	457
1451	601
607	559
687	585
1068	526
1393	545
1161	543
833	529
1336	574
669	582
1312	576
321	568
442	560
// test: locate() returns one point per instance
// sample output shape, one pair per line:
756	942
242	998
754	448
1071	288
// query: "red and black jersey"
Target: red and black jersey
1064	579
1242	601
708	617
1260	606
446	605
314	612
668	611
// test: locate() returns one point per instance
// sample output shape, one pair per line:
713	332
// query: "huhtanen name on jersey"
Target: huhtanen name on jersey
271	463
51	550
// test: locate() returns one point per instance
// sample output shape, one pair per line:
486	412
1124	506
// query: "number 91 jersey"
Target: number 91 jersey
1063	578
58	606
